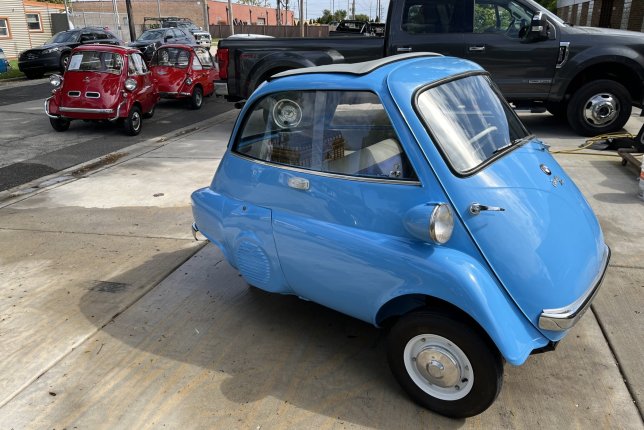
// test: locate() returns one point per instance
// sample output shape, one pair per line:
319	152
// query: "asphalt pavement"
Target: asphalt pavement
112	316
31	149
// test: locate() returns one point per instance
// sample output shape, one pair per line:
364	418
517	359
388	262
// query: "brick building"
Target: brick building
192	9
622	14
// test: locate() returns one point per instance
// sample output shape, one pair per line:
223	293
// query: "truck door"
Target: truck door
429	26
521	70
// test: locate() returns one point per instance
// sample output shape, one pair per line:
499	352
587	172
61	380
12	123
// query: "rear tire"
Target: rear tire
444	364
59	124
599	107
134	121
196	100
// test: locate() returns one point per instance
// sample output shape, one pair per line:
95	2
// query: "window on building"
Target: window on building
33	22
5	31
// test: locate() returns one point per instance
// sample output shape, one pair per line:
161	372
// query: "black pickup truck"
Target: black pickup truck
590	76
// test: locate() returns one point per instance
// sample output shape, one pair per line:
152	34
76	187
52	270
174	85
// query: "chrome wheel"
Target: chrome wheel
601	109
136	121
438	367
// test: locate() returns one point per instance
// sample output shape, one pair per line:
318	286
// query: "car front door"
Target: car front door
145	90
430	26
339	182
521	69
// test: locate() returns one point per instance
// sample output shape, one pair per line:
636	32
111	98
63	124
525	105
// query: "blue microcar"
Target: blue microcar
406	192
4	63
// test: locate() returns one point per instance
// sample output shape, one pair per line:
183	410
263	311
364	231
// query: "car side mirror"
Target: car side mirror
538	29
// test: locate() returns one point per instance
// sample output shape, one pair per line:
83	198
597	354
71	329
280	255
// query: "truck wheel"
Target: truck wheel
133	122
196	101
444	364
599	107
59	124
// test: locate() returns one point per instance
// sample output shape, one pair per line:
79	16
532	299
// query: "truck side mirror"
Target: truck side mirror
538	29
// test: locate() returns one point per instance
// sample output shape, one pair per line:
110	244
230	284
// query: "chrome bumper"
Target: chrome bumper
563	318
221	89
85	110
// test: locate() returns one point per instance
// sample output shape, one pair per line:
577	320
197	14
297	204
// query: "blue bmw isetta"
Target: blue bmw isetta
406	192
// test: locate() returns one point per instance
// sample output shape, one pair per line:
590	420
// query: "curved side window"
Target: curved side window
346	133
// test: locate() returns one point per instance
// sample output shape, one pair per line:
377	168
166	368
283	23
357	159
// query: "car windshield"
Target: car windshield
175	57
64	37
152	35
94	61
469	121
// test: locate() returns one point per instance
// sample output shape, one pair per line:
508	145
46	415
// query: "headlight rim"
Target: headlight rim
435	217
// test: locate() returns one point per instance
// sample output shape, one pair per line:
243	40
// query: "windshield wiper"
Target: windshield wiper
514	142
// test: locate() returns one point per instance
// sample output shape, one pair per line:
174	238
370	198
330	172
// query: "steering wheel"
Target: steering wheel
478	136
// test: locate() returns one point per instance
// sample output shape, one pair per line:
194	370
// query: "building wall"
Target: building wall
44	10
247	14
19	39
624	14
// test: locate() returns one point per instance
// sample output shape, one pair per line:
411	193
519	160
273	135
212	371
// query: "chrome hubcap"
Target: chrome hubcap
601	109
438	367
198	98
136	121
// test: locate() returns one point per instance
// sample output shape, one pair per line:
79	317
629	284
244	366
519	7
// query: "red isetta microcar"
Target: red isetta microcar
183	71
103	83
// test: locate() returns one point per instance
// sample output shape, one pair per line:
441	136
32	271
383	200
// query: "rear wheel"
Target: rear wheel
59	124
599	107
444	364
196	101
134	121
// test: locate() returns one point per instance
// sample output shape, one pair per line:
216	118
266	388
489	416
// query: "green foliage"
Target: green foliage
13	73
551	5
362	17
328	18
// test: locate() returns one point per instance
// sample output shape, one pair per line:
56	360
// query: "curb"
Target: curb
107	161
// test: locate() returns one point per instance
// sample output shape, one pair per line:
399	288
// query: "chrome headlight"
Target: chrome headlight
189	81
130	84
441	224
50	50
56	80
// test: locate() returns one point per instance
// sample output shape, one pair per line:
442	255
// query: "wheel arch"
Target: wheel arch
488	310
620	72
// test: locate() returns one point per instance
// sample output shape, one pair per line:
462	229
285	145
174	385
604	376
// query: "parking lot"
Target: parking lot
112	316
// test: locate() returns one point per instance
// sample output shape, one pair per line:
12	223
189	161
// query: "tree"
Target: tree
362	17
551	5
328	18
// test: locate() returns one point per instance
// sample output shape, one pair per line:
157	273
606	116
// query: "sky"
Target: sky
314	8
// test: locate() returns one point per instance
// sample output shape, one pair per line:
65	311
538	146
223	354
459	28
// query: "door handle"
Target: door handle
477	48
298	183
477	208
404	49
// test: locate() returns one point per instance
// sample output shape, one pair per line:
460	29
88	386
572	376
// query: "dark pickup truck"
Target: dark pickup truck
590	76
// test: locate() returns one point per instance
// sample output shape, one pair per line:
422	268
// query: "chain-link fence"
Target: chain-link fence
117	23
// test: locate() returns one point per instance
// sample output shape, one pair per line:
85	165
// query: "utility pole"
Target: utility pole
353	10
159	8
130	21
301	18
230	17
206	19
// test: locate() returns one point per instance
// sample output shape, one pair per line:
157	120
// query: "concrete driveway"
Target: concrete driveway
111	316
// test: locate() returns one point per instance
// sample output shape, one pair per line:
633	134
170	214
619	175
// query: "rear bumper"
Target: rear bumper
221	88
564	318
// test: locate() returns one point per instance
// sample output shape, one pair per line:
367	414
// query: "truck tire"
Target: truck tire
444	364
599	107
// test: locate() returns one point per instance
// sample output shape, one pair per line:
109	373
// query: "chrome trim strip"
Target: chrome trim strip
118	111
328	174
563	318
221	89
85	110
566	54
47	108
